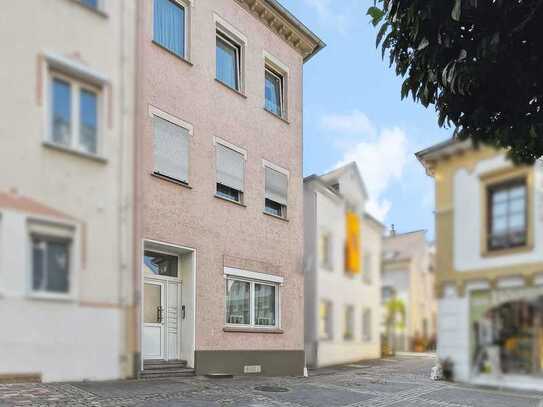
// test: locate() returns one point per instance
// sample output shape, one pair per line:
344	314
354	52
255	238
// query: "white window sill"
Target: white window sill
44	296
83	154
251	329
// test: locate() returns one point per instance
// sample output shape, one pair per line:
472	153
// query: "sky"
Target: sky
353	112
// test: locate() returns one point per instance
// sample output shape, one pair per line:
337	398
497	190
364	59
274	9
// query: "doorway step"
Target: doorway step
156	369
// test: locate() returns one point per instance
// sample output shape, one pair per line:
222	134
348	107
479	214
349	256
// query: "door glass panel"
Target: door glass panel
151	303
158	264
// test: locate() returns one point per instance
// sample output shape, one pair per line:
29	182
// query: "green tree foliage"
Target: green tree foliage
479	62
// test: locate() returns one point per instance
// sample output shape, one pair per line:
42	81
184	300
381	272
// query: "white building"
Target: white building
342	304
66	188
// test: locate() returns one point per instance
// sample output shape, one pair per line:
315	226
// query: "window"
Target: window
274	92
50	265
159	264
348	328
171	150
230	173
367	269
276	193
169	26
507	213
90	3
387	293
325	320
366	325
325	250
251	303
228	61
74	115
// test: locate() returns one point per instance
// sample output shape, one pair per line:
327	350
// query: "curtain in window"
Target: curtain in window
227	63
276	186
264	305
88	115
238	300
169	26
171	150
62	112
230	168
273	93
366	325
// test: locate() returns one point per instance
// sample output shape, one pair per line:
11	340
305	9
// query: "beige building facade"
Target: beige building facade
66	189
219	215
489	264
409	303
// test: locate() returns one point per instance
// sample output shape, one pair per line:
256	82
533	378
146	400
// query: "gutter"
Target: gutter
289	16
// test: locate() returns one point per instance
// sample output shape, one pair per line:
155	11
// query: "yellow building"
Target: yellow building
489	264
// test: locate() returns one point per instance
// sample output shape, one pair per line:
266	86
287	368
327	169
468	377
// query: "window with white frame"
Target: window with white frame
228	60
276	192
325	250
251	303
75	119
230	173
274	91
50	264
326	329
171	150
348	323
366	325
170	25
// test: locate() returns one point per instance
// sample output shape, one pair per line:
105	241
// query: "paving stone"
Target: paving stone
481	398
316	396
135	388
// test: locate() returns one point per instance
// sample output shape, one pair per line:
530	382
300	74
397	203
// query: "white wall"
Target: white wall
467	219
61	339
342	289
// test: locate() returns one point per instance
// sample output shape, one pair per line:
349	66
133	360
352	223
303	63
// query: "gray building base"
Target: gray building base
271	362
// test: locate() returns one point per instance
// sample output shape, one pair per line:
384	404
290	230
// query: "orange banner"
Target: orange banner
352	247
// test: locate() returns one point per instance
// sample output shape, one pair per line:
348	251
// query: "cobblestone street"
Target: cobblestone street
398	382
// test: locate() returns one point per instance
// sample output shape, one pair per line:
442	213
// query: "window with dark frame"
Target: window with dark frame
507	215
230	173
50	264
228	61
274	88
276	193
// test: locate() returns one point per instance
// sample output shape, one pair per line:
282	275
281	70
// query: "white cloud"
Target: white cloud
356	123
381	155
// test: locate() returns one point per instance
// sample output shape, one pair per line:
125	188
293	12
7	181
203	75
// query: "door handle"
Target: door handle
159	316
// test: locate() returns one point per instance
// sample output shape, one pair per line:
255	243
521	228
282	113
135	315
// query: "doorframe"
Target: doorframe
171	249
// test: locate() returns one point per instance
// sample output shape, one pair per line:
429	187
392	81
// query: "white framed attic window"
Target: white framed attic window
275	86
252	300
229	55
75	110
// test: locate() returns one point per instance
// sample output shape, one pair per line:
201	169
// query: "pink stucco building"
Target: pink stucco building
219	190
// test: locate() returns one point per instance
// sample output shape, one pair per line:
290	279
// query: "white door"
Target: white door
173	320
153	319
